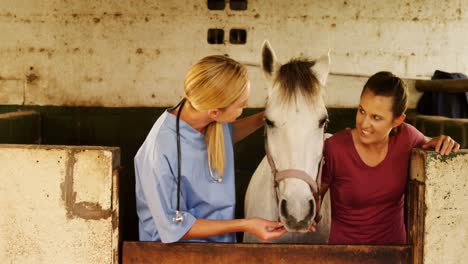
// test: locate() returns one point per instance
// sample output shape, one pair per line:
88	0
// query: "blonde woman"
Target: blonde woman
216	91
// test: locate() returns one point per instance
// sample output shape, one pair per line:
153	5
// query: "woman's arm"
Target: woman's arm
246	126
263	229
442	144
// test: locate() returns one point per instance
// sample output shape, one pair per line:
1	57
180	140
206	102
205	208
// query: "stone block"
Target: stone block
445	213
58	204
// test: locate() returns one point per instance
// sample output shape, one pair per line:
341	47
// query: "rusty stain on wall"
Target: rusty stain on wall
32	78
85	210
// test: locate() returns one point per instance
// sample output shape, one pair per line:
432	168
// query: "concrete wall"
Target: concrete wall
135	53
446	206
58	204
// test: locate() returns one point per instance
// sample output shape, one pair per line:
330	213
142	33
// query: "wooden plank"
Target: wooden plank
450	86
417	170
155	252
415	204
415	225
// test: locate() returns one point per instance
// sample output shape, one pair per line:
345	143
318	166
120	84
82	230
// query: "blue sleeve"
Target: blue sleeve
159	189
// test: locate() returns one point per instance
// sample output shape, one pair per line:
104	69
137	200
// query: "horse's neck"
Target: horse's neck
261	188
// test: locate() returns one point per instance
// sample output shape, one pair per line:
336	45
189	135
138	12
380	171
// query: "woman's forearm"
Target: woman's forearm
246	126
203	228
264	230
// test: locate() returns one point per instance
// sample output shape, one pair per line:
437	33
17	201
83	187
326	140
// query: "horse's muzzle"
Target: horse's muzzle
291	223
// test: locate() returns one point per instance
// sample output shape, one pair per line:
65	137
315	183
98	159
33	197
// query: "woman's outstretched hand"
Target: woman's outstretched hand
442	144
265	230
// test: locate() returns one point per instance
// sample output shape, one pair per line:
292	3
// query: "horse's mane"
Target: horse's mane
296	77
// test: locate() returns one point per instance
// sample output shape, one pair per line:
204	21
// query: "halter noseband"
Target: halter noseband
298	174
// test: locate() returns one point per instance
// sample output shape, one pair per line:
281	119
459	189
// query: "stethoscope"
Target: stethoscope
179	218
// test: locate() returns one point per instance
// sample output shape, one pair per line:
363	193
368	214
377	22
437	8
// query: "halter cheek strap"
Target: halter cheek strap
298	174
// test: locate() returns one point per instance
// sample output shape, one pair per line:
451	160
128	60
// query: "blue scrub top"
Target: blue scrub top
201	196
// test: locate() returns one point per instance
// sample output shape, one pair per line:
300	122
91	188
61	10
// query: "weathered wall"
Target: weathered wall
445	202
135	53
58	204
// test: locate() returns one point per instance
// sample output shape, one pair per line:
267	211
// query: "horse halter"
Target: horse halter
278	176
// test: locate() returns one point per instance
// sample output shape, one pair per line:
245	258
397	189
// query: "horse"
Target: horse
285	185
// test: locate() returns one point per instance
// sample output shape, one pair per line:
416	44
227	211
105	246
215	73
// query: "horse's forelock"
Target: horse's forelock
296	77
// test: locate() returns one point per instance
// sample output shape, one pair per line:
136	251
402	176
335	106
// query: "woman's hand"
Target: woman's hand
313	226
442	144
265	230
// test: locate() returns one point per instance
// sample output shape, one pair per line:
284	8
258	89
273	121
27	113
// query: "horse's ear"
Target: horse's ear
321	68
269	61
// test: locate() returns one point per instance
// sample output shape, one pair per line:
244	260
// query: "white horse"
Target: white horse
284	186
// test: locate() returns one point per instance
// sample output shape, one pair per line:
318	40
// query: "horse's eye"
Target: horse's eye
269	122
323	122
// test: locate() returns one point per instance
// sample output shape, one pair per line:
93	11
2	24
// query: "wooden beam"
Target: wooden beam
415	204
155	252
415	214
450	86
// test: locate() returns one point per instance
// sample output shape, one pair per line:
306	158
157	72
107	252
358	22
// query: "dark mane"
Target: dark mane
296	77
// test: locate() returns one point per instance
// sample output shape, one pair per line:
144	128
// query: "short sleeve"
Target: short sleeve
416	138
159	198
327	170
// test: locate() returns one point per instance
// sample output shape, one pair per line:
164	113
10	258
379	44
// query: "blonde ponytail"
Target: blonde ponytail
215	82
214	138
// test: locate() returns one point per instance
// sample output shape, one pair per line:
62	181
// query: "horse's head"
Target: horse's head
296	116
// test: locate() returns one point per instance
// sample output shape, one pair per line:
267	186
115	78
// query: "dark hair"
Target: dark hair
296	76
387	84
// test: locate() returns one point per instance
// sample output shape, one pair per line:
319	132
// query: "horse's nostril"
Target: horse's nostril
284	209
312	207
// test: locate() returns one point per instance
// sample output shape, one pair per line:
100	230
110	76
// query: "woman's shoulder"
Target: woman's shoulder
408	128
159	139
411	135
407	131
339	139
161	129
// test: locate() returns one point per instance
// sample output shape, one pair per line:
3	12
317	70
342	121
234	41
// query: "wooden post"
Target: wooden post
415	206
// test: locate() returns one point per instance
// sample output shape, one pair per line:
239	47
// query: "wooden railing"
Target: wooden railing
154	252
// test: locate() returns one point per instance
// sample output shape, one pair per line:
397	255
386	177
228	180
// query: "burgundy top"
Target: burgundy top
367	202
